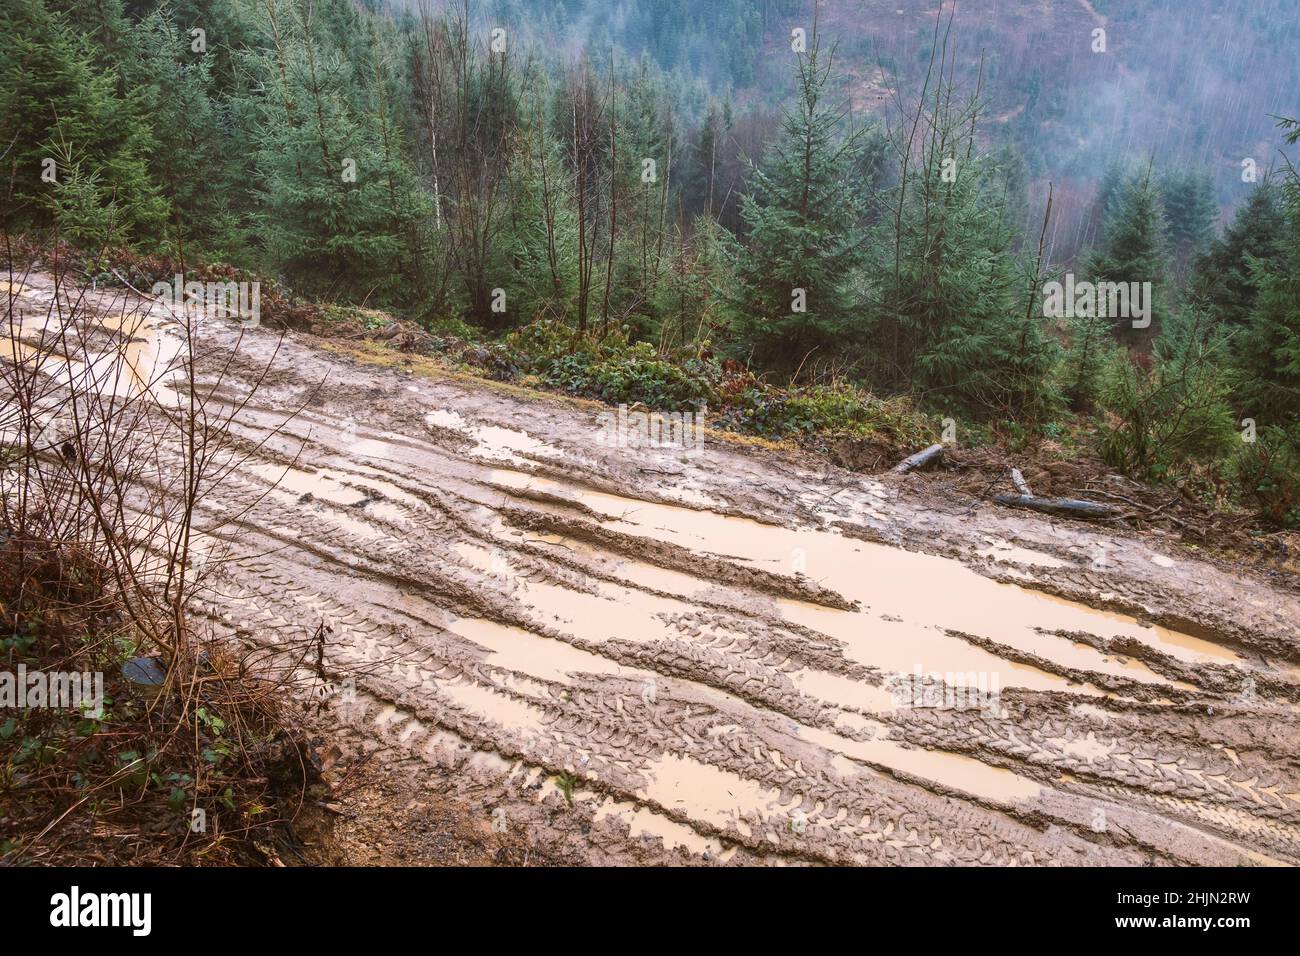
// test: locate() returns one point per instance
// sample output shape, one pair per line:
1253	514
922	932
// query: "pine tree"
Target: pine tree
1267	372
195	155
980	349
1134	250
56	104
646	131
416	276
1090	353
700	180
542	223
1187	197
106	33
1223	279
1173	412
1110	186
953	315
326	213
84	213
468	103
1268	358
228	29
803	242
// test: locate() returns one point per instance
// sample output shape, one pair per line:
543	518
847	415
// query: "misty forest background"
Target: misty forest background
362	153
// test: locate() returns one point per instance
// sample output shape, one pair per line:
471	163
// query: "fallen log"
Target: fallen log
922	459
1065	507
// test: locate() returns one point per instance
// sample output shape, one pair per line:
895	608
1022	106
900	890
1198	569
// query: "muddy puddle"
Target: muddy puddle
537	656
350	499
642	822
909	602
949	770
493	441
96	349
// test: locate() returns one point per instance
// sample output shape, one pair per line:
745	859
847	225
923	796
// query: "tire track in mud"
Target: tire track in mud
596	731
720	674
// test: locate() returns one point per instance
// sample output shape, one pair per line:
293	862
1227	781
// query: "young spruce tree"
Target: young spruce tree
797	273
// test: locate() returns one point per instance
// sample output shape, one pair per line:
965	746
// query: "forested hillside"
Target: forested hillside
1186	82
848	228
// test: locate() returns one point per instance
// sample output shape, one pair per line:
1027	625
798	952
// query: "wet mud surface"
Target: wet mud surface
617	655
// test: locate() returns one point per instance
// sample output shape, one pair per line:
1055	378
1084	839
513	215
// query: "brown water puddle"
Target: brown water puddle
703	791
494	706
935	652
294	483
1004	551
144	360
726	800
493	441
843	691
618	612
644	822
955	771
711	794
545	658
909	599
1184	647
639	573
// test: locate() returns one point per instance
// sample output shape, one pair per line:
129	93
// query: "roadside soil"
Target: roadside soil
543	650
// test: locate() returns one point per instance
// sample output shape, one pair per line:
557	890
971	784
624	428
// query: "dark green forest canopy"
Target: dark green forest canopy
637	191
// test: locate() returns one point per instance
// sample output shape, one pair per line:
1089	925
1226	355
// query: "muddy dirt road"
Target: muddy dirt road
734	657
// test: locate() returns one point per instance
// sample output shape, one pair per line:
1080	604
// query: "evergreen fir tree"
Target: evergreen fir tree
1110	187
542	225
802	234
1187	197
1173	412
1134	250
1090	352
954	316
1268	358
981	350
1224	277
326	214
700	180
194	158
57	104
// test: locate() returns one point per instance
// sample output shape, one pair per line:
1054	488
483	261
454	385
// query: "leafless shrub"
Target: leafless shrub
114	436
